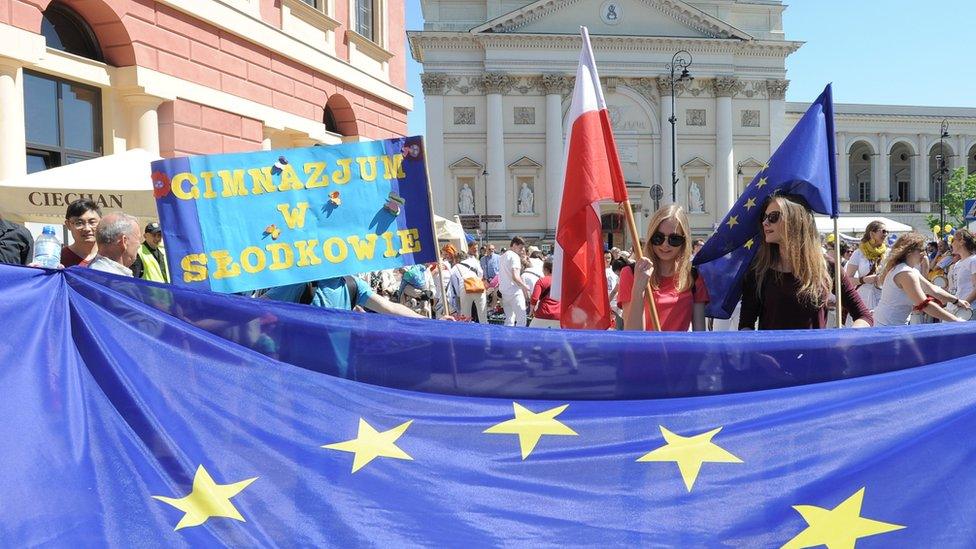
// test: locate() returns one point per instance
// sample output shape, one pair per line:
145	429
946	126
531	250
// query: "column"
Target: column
664	87
843	164
266	142
13	139
776	89
881	186
435	86
961	158
553	86
495	84
921	176
725	88
143	122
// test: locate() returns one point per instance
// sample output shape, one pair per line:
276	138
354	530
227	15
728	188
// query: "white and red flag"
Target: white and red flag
592	174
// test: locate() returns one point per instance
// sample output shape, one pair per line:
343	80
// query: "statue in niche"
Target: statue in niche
526	199
696	204
465	200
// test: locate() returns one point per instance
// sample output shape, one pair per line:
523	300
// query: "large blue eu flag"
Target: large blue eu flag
803	165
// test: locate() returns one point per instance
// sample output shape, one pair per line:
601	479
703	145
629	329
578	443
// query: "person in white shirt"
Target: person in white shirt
515	293
118	238
962	275
465	268
865	264
903	289
532	269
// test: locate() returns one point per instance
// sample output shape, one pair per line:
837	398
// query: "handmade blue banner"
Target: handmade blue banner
238	222
144	415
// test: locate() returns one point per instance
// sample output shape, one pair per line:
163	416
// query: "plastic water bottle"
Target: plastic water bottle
47	249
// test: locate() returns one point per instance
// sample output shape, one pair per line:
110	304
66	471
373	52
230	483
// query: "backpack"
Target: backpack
473	284
309	292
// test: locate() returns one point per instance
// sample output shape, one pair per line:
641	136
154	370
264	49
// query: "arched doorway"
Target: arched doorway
971	160
612	225
861	172
339	117
900	165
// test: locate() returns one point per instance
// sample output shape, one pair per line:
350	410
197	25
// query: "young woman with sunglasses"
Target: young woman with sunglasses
904	289
865	264
790	281
679	295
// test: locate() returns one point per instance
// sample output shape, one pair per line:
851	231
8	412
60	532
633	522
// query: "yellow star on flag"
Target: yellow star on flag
207	499
837	528
761	183
370	444
733	221
690	453
749	244
750	204
764	167
530	426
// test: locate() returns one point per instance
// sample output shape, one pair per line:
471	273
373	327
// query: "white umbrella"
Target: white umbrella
117	182
850	224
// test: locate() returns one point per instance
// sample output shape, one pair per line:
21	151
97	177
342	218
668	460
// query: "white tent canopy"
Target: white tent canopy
451	231
856	224
117	182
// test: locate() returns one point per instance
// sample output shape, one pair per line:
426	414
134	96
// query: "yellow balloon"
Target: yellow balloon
830	238
947	229
937	229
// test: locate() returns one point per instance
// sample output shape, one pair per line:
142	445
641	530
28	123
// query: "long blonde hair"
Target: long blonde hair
908	243
801	247
682	263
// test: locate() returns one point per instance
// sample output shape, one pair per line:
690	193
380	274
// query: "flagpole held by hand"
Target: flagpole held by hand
639	253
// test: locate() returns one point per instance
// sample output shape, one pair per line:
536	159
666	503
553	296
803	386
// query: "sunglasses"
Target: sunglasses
884	231
674	240
772	218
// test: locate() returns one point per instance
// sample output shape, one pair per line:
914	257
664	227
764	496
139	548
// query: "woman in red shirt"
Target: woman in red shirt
546	308
679	295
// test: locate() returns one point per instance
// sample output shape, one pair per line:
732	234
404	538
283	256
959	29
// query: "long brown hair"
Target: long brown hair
801	247
967	238
906	244
682	263
872	226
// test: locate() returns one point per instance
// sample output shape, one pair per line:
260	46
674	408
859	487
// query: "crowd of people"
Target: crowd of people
789	285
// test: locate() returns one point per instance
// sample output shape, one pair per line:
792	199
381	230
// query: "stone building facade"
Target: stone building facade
497	80
85	78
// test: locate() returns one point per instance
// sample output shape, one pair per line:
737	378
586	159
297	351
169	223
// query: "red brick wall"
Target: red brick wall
187	128
158	37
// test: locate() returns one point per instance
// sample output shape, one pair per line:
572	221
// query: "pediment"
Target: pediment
665	18
750	163
465	164
696	163
523	163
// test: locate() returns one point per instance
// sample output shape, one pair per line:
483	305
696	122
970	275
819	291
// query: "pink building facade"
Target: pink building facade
85	78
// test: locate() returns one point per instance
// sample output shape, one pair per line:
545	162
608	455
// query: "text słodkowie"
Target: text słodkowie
276	256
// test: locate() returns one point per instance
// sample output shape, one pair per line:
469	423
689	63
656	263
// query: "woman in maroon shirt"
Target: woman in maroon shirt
546	308
790	281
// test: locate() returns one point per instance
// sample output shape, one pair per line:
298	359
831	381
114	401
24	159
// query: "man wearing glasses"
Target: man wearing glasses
81	219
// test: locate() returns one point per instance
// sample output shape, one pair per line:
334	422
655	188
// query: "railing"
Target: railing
903	207
863	207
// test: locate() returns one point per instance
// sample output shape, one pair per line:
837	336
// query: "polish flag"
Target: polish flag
592	174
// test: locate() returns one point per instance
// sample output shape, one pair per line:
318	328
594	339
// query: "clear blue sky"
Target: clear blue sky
891	52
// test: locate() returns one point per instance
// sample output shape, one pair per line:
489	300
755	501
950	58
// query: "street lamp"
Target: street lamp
680	61
940	162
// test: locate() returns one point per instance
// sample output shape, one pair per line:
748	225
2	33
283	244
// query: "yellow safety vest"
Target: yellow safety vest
151	269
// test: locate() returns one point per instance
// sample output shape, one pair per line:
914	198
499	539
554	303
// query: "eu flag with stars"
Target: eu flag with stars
803	165
135	414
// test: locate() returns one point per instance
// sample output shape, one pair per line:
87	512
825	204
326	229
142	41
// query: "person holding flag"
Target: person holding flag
593	173
679	292
789	283
769	235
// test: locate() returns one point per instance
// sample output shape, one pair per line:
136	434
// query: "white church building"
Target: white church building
497	80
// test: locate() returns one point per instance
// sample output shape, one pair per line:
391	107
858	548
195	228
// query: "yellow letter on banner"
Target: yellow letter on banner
262	180
367	174
252	258
194	267
335	250
226	268
294	218
284	260
393	167
316	175
232	183
409	241
306	252
342	175
289	179
177	186
364	249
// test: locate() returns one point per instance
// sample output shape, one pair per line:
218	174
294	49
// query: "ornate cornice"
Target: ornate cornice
437	83
777	88
497	82
727	86
554	83
664	86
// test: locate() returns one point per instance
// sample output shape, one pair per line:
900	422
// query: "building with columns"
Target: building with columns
497	80
86	78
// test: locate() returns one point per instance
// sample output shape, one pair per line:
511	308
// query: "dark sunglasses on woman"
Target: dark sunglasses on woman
772	218
674	240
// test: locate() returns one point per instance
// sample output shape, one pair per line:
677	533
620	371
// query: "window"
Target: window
317	4
364	18
65	30
864	191
904	191
53	105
